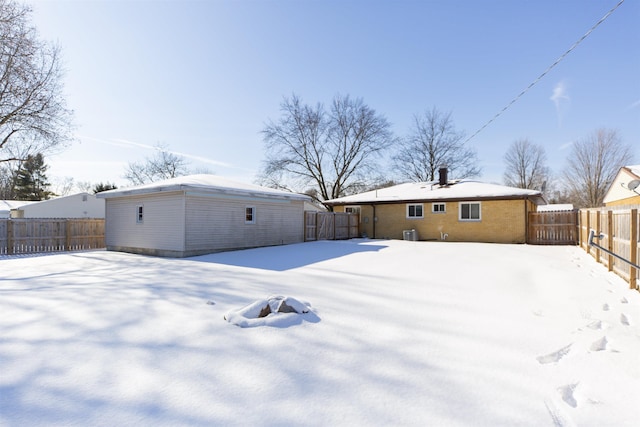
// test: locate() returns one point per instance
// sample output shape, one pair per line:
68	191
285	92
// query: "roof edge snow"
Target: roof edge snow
432	191
211	184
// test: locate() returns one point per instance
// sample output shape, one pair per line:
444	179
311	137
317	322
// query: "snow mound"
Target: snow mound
272	311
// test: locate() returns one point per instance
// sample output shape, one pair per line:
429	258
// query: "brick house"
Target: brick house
458	210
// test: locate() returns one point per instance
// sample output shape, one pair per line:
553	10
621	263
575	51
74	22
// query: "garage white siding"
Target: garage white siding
200	214
219	223
161	231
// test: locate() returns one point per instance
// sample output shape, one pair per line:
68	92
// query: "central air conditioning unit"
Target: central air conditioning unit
411	235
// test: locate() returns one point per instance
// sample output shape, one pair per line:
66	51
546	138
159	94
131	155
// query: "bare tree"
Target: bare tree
163	165
8	174
33	114
332	152
526	165
592	166
433	142
64	186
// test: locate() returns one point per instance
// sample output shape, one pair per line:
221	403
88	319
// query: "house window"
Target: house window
139	214
250	215
470	211
352	209
415	211
438	208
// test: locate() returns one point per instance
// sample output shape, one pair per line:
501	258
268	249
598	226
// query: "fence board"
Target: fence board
26	236
310	226
326	230
618	231
331	225
553	228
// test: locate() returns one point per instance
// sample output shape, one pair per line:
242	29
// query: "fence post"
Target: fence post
598	228
67	235
588	230
10	237
610	239
633	243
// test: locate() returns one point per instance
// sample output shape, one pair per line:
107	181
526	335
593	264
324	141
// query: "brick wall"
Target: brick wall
502	221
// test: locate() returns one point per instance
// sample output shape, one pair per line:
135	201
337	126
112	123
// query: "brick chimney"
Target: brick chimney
443	180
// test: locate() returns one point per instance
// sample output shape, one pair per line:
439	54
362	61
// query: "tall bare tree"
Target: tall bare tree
433	142
33	113
526	165
592	166
163	165
327	153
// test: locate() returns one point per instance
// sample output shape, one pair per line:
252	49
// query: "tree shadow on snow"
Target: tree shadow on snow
287	257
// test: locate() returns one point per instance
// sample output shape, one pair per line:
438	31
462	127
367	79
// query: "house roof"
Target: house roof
432	191
52	200
634	169
203	183
619	190
7	205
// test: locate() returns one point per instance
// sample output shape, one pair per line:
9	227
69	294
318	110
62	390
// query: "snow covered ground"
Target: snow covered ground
400	333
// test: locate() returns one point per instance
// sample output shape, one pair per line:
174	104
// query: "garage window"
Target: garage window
139	214
250	215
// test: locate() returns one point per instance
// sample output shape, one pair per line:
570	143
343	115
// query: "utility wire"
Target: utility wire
513	101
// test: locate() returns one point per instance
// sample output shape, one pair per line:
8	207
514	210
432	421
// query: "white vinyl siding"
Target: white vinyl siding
220	223
80	205
183	224
162	227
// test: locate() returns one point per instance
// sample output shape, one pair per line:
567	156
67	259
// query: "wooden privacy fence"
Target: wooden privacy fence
553	228
26	236
330	225
618	231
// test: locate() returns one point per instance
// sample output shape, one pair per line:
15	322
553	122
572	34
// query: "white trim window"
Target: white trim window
250	215
415	210
352	209
140	214
438	208
470	211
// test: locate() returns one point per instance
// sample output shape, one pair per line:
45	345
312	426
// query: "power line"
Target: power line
546	71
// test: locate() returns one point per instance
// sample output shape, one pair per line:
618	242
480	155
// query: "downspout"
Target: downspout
374	221
526	221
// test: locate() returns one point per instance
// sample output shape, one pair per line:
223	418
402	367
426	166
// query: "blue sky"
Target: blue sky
203	77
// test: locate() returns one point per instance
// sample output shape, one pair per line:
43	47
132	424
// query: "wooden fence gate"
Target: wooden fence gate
330	225
553	228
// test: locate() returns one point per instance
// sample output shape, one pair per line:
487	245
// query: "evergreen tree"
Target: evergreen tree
31	181
103	187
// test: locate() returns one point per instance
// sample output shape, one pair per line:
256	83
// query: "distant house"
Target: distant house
81	205
464	210
625	188
6	206
200	214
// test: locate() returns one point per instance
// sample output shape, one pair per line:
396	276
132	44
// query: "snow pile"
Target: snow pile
272	311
